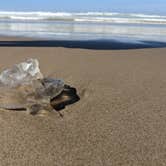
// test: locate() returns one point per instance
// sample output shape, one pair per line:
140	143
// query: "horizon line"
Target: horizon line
90	11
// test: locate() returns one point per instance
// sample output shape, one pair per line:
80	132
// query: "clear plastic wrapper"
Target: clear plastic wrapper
22	73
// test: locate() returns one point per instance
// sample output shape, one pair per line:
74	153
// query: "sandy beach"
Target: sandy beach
119	120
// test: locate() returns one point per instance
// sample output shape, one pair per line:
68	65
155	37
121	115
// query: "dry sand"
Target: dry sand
120	119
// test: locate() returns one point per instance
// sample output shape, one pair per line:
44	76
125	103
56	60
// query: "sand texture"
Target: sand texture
119	120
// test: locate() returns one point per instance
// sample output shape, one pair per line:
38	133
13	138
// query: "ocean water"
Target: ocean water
84	26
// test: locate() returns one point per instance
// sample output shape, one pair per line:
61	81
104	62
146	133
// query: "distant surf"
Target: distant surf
80	26
105	17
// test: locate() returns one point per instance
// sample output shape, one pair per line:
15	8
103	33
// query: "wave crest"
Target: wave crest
102	17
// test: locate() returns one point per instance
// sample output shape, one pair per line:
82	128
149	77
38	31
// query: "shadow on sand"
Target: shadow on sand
85	44
67	97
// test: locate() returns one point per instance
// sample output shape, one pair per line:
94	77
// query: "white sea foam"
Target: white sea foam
85	17
122	20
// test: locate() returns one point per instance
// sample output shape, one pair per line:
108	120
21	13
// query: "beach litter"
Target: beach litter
23	87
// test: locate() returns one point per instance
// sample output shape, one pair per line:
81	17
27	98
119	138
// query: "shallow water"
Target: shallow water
84	26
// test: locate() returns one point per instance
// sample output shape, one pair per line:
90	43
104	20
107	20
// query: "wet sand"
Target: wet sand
119	120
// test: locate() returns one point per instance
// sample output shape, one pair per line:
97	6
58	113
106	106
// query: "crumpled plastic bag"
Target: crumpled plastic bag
23	86
28	73
23	73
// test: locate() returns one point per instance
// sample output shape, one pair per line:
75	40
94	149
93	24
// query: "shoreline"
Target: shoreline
112	44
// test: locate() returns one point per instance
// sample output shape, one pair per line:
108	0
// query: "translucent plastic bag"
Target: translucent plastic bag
28	73
23	73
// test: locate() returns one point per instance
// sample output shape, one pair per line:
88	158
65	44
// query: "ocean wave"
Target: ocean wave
108	17
122	20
